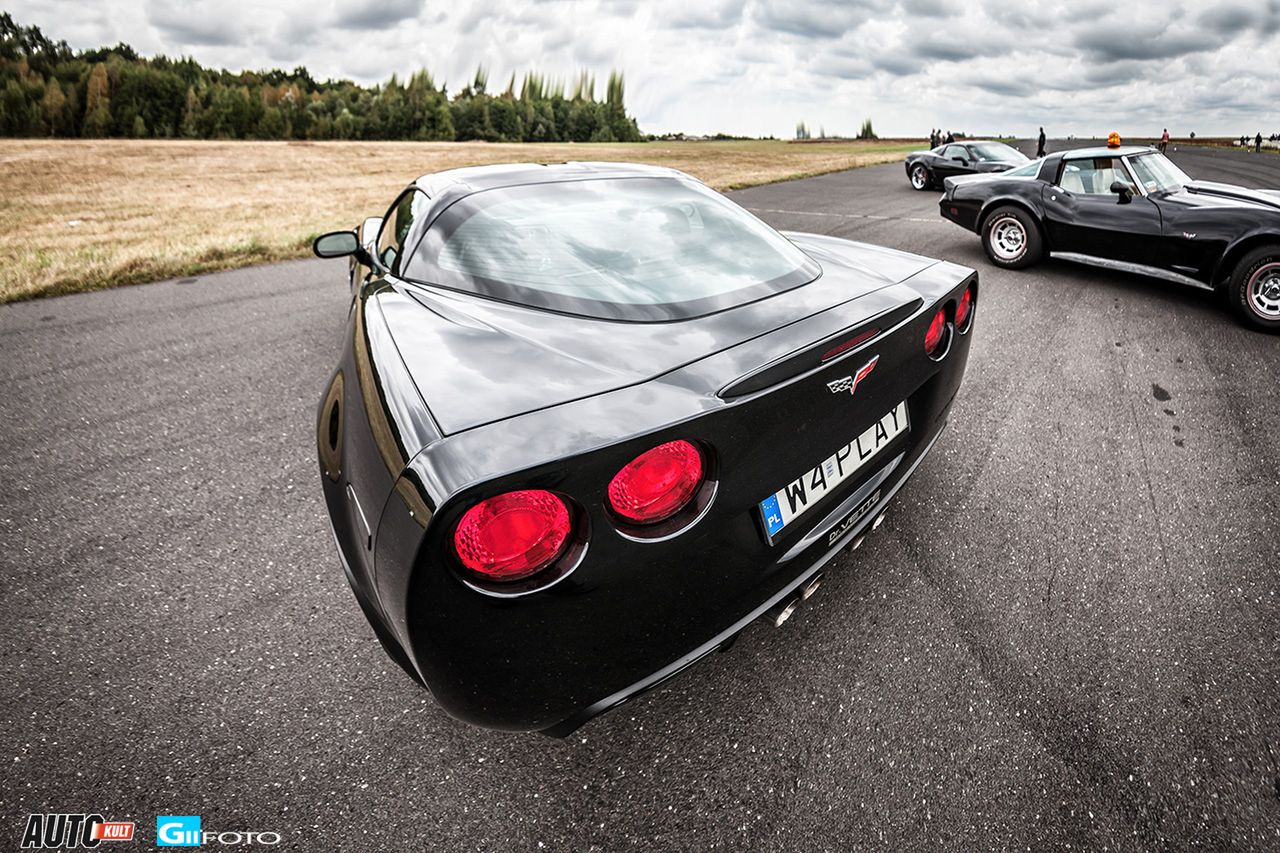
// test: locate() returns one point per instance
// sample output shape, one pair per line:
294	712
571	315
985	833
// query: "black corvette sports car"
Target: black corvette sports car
591	420
927	169
1130	208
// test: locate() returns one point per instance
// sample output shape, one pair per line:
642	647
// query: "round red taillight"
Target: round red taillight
936	332
963	308
657	484
514	535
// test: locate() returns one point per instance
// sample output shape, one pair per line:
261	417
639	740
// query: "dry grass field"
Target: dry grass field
81	215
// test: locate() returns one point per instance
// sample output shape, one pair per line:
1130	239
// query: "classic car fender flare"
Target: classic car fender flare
1014	201
1237	249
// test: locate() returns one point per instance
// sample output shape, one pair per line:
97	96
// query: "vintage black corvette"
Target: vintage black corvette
591	420
1130	208
927	169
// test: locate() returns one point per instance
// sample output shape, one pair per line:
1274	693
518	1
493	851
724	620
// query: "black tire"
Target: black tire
920	177
1011	238
1254	289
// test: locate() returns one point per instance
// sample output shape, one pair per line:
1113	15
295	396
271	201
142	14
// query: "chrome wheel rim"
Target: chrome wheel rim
919	177
1264	291
1008	238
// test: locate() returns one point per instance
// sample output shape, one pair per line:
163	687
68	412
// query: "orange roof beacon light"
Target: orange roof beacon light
1113	141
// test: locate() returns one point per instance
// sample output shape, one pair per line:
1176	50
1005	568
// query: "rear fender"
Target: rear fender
370	422
1013	201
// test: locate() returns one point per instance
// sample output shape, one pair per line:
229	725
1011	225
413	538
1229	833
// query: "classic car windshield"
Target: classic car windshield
624	248
997	152
1157	173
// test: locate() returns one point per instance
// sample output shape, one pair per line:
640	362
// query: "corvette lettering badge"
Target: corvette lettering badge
850	383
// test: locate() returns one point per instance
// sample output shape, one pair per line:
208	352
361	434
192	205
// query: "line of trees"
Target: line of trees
803	132
46	89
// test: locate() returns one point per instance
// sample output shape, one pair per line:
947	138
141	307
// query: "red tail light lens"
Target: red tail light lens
657	484
963	308
937	329
513	536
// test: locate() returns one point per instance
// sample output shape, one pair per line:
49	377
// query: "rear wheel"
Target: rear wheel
1012	238
1254	289
920	177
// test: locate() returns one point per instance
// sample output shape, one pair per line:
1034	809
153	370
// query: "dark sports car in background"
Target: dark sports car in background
592	420
1130	208
927	169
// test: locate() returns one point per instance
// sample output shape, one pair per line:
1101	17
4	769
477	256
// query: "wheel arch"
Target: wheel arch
1012	201
1237	250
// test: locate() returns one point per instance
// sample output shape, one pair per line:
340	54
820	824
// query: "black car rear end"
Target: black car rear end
637	606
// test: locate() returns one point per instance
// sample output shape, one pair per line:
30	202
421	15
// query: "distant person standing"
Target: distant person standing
933	137
1164	140
1040	145
951	137
1257	143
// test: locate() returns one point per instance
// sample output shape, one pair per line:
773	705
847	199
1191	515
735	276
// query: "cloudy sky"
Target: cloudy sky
758	66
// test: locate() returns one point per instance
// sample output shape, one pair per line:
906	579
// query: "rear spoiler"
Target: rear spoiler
827	350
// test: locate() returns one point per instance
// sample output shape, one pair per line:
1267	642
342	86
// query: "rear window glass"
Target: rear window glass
643	249
1028	171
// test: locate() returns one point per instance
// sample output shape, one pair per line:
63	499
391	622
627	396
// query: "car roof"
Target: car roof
468	179
1103	151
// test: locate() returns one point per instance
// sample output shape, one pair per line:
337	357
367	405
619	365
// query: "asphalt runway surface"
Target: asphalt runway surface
1063	637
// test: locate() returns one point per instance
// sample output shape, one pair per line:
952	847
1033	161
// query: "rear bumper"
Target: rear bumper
961	212
811	568
604	635
798	570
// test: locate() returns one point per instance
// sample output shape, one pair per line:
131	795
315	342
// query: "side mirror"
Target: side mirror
1122	189
961	161
336	244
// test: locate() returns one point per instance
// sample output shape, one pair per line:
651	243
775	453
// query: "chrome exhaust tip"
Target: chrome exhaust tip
782	612
879	521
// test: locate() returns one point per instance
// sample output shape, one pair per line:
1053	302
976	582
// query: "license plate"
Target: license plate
794	499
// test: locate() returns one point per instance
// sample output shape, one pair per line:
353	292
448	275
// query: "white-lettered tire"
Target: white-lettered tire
920	177
1012	238
1254	289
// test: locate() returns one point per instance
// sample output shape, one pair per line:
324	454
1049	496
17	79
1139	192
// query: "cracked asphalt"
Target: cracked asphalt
1065	635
